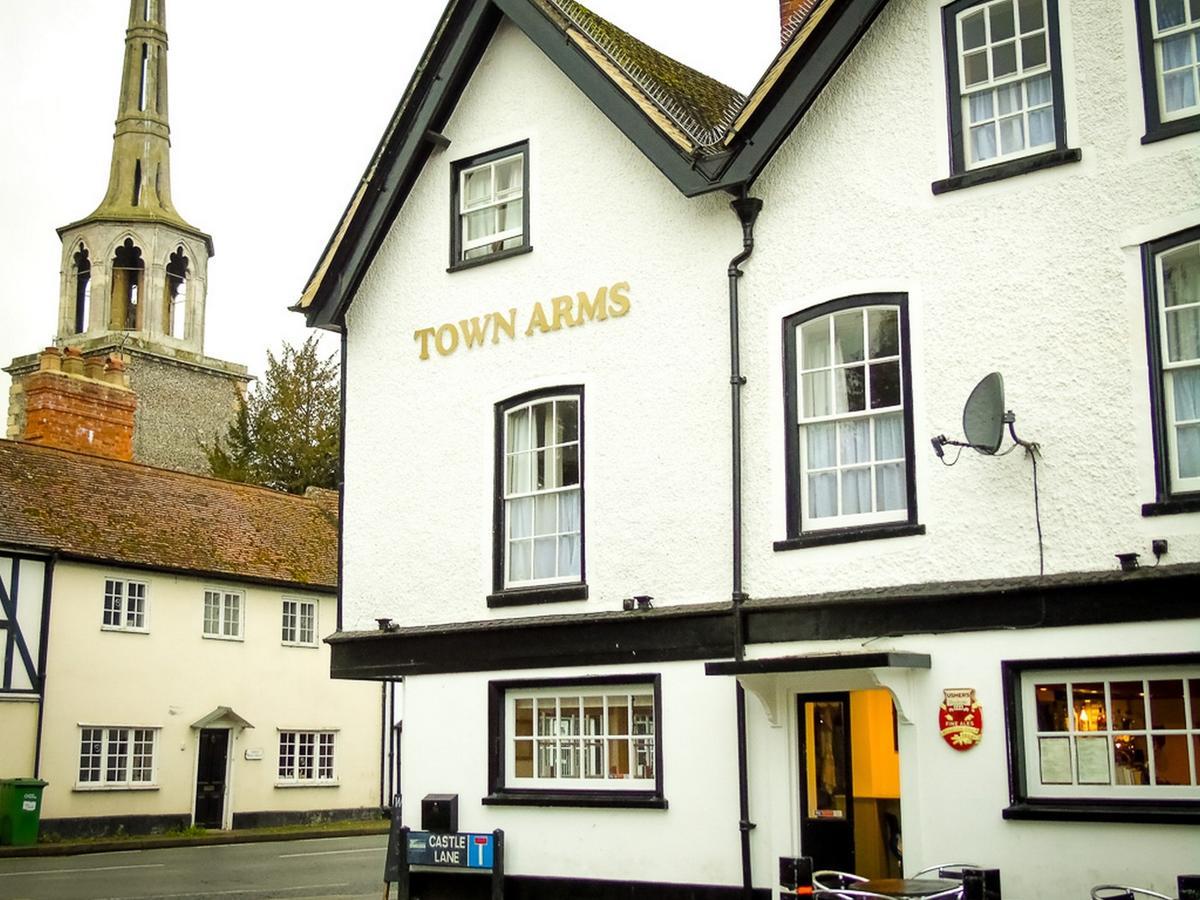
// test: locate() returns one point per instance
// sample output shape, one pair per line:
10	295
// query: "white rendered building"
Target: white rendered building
676	584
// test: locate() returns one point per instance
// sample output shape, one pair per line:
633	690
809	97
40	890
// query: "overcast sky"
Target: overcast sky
275	106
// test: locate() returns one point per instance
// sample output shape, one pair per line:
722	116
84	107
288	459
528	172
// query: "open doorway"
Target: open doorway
850	782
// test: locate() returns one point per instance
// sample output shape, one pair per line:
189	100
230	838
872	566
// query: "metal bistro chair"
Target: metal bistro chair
1124	892
831	879
848	894
947	870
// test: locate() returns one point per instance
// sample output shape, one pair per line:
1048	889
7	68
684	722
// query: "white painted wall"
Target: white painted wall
172	676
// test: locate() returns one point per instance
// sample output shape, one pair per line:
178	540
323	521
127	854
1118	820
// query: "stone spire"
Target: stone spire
135	266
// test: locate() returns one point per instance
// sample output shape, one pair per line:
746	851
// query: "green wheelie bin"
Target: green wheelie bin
20	810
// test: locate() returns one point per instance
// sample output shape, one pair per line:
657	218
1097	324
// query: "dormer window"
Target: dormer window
489	196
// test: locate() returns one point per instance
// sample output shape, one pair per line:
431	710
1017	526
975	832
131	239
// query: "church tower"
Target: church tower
134	277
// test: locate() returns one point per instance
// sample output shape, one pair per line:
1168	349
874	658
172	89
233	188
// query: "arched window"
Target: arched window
83	289
127	269
175	295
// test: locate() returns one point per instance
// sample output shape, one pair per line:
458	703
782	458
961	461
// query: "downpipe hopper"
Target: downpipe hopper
747	210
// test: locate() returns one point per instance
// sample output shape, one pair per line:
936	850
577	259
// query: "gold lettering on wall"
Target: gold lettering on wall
607	301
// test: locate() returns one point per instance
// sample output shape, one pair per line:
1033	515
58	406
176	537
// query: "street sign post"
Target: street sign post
430	851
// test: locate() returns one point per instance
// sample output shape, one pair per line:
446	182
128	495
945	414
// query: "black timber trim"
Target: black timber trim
1166	501
554	593
822	662
1010	168
797	89
704	632
829	536
1156	128
502	795
1022	806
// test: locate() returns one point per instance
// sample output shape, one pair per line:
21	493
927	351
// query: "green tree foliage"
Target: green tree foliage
285	435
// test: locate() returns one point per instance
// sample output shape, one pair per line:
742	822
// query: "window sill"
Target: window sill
222	637
554	593
307	784
1183	504
302	646
119	628
593	799
1182	812
1174	128
88	788
849	535
491	257
1008	169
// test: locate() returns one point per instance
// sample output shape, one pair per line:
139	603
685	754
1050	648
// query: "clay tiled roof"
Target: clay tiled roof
89	507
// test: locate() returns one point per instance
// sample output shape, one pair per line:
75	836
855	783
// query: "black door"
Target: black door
826	789
210	777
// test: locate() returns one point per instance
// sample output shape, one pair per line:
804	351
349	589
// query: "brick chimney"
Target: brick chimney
79	404
791	14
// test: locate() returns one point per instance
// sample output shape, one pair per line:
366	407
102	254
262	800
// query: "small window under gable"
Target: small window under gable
125	312
490	206
83	289
175	295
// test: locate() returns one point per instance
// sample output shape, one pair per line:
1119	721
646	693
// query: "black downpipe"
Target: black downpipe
747	210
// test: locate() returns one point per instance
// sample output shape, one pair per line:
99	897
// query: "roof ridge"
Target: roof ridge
130	464
706	137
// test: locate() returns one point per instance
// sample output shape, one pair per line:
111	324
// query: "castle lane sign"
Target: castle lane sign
454	849
567	311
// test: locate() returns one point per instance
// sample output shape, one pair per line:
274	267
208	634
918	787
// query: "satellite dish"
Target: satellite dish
983	415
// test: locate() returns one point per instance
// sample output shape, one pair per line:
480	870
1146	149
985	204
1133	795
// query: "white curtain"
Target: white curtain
568	526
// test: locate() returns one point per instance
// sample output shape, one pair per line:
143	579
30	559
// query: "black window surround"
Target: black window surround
458	166
960	175
1022	806
1166	501
500	795
797	538
502	596
1156	128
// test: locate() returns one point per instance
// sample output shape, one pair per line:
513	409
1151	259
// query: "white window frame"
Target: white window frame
1190	26
639	746
292	624
1021	76
1177	483
221	621
492	201
509	497
1032	738
809	523
118	613
113	761
319	745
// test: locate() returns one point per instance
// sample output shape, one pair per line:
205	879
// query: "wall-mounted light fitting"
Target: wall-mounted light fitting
1128	561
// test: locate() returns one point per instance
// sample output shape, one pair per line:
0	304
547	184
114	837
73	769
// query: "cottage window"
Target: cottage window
849	420
300	622
489	198
306	757
1169	41
594	740
223	614
124	605
116	757
1172	267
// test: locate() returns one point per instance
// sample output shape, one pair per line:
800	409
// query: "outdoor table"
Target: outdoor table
907	887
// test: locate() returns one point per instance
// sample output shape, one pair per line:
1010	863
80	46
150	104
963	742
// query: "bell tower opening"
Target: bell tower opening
175	295
125	311
83	289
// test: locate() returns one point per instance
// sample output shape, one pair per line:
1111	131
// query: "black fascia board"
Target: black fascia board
821	662
453	56
802	82
679	168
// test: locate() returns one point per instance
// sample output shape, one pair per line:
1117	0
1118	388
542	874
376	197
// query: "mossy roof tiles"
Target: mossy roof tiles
93	508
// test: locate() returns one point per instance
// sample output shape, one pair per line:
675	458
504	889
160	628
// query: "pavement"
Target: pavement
208	838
